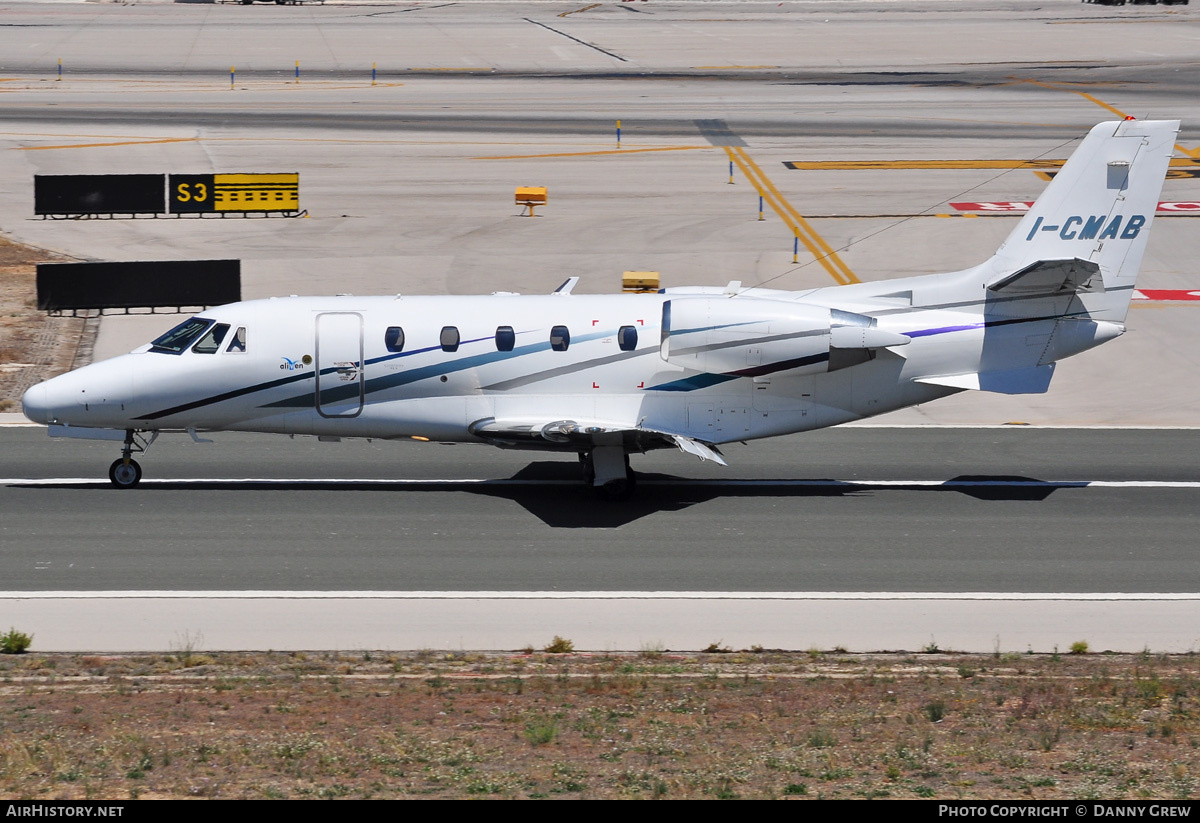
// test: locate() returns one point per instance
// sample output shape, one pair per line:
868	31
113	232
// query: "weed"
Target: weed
653	649
1047	736
144	764
1079	647
559	645
716	648
15	642
821	739
186	648
541	731
935	710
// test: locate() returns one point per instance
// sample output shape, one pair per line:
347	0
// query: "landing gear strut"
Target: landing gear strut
125	472
606	469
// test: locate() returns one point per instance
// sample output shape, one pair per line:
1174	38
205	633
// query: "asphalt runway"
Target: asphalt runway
997	510
868	538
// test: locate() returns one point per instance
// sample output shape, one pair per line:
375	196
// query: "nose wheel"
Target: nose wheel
125	473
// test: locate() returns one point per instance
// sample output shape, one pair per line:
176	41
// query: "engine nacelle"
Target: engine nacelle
749	337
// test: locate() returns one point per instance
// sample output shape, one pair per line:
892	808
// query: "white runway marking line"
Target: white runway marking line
441	481
601	595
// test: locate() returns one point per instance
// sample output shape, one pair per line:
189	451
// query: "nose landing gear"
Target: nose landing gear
125	472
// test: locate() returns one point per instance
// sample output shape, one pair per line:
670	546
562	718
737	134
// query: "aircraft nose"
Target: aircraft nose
36	404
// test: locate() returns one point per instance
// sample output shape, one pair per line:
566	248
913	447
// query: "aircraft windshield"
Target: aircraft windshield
182	336
212	341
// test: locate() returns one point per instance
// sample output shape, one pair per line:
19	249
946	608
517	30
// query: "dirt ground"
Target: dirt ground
33	346
752	724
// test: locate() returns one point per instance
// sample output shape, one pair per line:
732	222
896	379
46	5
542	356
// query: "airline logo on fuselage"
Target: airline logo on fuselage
1094	227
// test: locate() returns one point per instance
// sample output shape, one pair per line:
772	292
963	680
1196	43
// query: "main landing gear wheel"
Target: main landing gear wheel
124	474
606	469
620	489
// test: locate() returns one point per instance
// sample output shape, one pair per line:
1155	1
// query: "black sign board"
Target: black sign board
142	284
70	194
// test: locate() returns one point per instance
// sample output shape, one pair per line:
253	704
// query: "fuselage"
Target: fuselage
430	367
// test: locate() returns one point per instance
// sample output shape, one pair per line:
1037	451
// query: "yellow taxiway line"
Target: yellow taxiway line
587	153
1036	165
854	165
800	227
106	145
1093	99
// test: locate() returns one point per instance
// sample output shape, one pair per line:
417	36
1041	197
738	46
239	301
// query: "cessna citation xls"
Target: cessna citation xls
609	375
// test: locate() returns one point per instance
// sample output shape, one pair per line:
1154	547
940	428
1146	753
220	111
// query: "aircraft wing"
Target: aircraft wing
580	435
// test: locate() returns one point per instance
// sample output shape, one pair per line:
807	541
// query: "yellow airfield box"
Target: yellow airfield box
530	196
639	282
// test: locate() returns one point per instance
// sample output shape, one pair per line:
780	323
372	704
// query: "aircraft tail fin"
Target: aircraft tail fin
1088	229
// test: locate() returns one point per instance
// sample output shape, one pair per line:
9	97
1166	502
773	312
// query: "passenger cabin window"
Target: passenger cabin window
182	336
506	338
560	338
449	338
238	343
210	342
627	338
393	338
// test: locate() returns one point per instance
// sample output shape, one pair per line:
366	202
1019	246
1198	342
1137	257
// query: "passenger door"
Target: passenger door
340	380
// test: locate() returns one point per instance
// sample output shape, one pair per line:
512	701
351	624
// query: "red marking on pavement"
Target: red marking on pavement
1170	295
1015	206
1178	207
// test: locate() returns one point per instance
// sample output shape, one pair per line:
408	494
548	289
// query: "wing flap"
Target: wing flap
574	435
702	450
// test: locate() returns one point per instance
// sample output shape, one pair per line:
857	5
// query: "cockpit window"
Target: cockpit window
182	336
237	343
210	342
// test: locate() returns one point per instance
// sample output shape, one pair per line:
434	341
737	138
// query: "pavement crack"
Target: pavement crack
577	40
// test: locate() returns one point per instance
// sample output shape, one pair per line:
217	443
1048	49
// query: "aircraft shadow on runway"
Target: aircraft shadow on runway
553	493
572	505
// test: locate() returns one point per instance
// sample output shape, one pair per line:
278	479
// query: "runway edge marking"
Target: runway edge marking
600	595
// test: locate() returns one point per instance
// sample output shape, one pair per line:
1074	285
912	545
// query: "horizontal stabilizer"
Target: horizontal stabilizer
1051	277
1035	380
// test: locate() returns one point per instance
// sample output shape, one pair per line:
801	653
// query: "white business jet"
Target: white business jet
606	376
